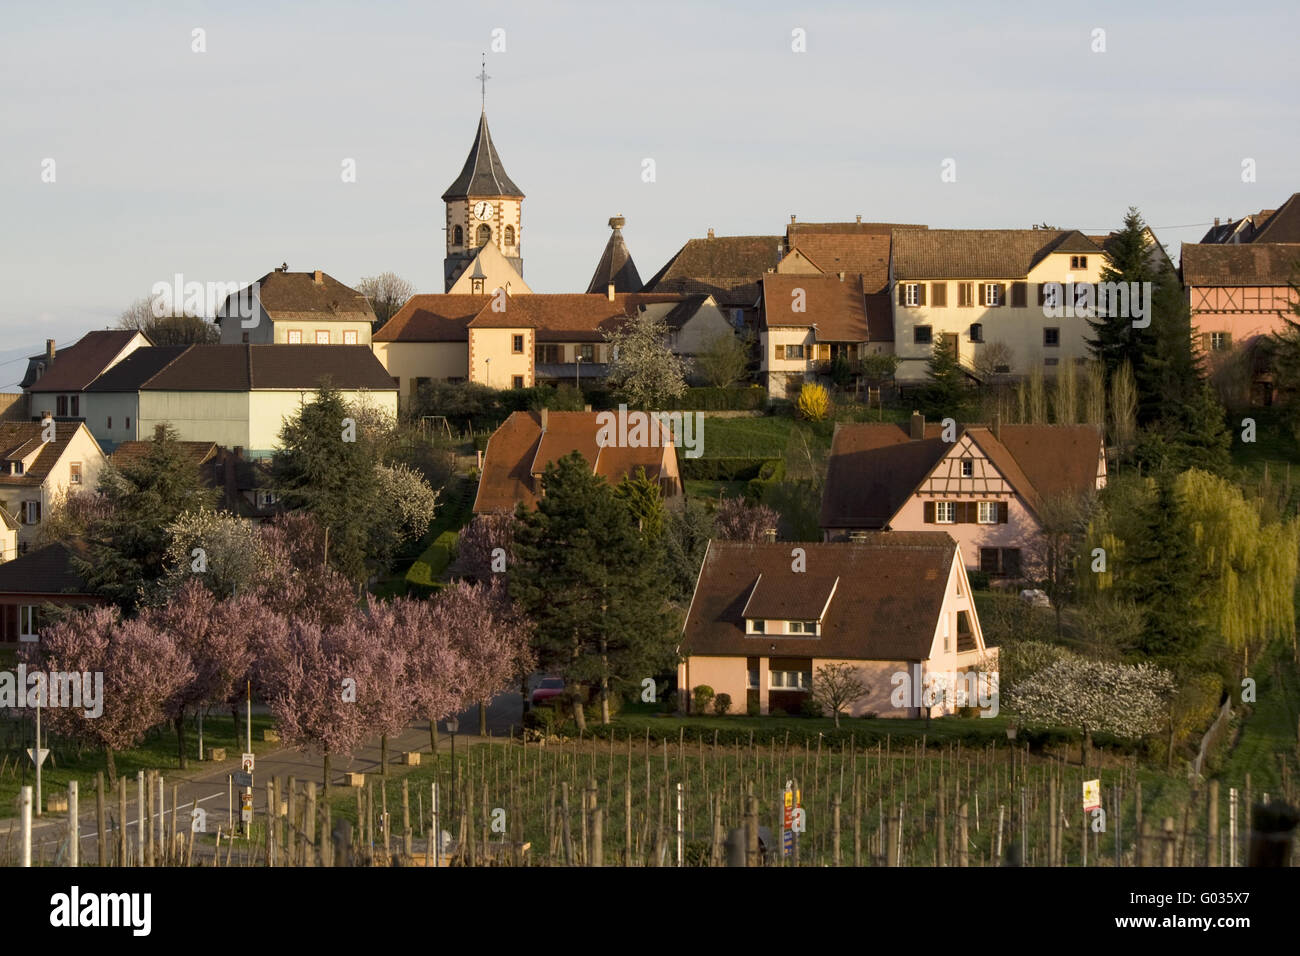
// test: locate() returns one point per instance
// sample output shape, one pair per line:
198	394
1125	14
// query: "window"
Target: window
801	627
965	295
243	337
1219	341
967	468
1051	338
32	512
350	337
265	499
294	337
510	235
738	318
128	422
794	352
987	512
322	337
756	626
517	344
939	294
913	294
74	473
547	354
29	622
517	381
1051	362
922	335
1000	561
588	353
110	421
945	512
1078	262
976	332
15	468
789	680
458	236
992	294
1049	295
752	672
61	406
484	234
946	632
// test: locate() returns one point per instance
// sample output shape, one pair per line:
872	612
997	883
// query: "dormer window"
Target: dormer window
15	467
757	626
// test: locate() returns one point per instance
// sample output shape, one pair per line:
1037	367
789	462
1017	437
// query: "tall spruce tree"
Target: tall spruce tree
591	582
945	391
326	467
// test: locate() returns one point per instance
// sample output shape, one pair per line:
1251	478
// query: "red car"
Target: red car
548	688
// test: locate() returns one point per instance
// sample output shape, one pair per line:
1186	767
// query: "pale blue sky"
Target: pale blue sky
221	165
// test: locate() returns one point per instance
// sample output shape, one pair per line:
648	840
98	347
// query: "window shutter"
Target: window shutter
824	352
780	352
1002	293
1227	344
902	293
920	293
1002	512
940	290
1019	294
929	512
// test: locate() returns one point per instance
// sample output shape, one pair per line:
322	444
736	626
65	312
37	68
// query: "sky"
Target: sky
221	164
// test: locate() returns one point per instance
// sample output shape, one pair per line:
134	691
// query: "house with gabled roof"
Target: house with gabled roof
296	308
986	486
56	380
896	608
35	581
519	452
1268	225
39	462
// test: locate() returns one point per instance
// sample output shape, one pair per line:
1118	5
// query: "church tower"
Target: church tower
483	209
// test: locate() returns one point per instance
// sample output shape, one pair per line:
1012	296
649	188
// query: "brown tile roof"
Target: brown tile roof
19	439
130	451
880	317
557	316
875	468
1280	226
296	295
888	593
79	364
238	368
865	254
837	307
979	253
615	264
519	449
726	267
1245	264
48	570
797	230
432	318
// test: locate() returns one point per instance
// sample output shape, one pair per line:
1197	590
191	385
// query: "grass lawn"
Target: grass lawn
764	437
710	490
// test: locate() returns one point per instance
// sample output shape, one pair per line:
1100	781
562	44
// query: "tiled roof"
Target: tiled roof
287	296
880	317
432	318
130	451
482	174
48	570
615	264
979	253
837	307
1281	226
519	449
78	365
875	468
238	368
19	439
1244	264
888	594
865	254
796	231
565	312
726	267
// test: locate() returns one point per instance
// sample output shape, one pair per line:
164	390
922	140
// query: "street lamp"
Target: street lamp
1011	738
577	370
453	725
487	371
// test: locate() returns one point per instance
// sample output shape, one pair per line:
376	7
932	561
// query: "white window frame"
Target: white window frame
942	508
28	508
26	618
322	333
986	512
74	472
799	683
350	337
293	337
912	294
753	626
991	294
1218	341
968	467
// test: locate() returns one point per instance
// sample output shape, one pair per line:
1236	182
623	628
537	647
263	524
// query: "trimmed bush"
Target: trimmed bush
722	704
701	696
723	469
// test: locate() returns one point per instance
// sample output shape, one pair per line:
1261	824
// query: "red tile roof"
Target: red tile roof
432	318
837	307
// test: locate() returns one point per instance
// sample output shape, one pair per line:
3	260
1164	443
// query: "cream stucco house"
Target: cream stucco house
39	463
296	308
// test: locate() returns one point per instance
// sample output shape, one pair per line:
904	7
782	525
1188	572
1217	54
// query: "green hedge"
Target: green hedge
747	399
434	561
769	474
723	469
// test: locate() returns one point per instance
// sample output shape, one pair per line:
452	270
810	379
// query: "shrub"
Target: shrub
702	695
776	712
753	709
743	399
810	707
813	403
722	704
979	580
723	469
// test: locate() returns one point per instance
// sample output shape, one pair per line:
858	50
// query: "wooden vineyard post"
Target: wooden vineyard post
1212	827
101	819
963	853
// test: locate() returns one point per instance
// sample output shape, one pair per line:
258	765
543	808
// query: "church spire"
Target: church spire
483	174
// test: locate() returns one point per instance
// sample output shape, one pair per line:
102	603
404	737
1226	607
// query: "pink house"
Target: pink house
896	608
986	486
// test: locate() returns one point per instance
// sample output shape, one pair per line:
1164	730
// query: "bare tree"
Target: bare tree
723	360
387	293
993	358
178	328
838	686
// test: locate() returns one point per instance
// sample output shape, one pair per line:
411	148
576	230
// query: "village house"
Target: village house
30	584
244	487
519	451
39	463
988	487
55	382
765	616
237	396
296	308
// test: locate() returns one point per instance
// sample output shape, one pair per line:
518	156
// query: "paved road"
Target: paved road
207	783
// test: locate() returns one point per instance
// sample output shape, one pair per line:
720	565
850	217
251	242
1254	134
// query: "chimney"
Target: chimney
545	417
792	217
316	278
617	222
49	350
859	217
997	425
841	275
769	535
610	291
918	426
1216	221
710	232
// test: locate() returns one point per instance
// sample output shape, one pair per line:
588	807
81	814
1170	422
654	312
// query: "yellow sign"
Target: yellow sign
1091	795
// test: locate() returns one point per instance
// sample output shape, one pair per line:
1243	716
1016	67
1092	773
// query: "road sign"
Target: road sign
1091	795
243	779
38	756
246	763
246	807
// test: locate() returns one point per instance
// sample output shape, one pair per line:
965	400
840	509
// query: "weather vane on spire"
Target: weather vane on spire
483	78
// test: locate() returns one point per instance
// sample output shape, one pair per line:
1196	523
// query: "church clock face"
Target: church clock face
483	210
